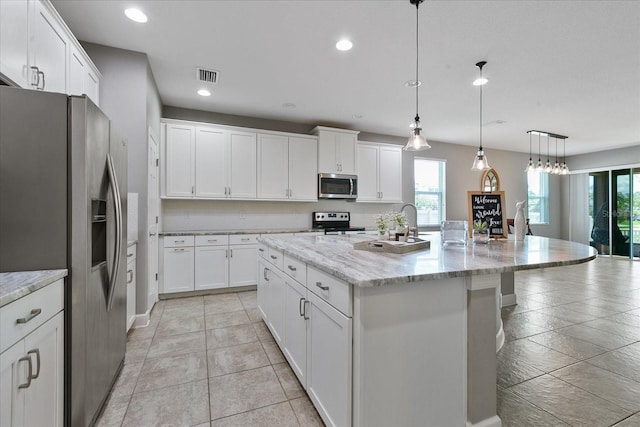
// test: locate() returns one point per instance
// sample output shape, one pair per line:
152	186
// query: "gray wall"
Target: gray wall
128	95
460	179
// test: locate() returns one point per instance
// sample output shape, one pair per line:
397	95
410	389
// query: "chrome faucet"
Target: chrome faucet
413	230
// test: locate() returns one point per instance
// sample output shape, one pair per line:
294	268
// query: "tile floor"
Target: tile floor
571	358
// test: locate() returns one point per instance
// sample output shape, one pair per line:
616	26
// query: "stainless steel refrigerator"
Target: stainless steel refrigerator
63	193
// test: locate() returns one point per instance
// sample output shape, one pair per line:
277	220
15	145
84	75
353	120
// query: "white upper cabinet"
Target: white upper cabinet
14	41
379	173
51	45
287	167
38	51
208	162
211	162
180	148
336	150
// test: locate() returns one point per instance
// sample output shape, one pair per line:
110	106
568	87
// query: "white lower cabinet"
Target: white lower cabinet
32	369
315	337
197	263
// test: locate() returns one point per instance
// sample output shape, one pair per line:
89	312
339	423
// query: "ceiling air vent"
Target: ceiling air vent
208	76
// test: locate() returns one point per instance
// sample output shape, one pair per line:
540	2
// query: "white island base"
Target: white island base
412	362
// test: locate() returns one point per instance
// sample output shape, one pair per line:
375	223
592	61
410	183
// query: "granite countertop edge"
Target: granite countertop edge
229	232
15	285
337	270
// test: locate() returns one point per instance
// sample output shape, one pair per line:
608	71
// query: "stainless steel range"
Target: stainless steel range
335	223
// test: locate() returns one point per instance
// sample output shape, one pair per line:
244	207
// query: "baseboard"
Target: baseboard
208	292
494	421
509	299
142	320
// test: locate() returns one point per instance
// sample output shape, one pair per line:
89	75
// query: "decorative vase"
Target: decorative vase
519	222
481	236
382	234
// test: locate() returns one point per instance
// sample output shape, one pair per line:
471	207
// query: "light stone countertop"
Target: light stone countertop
335	255
228	232
15	285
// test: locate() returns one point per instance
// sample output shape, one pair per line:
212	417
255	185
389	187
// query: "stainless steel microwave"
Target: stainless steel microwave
336	186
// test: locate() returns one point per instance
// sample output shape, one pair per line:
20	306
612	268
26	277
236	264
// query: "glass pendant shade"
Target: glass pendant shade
547	167
480	162
417	141
530	166
556	169
539	166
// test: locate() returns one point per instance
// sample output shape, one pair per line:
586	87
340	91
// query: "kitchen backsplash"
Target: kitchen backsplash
188	215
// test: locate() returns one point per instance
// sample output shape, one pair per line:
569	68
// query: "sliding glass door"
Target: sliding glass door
614	209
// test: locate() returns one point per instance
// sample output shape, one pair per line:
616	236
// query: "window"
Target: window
429	178
538	197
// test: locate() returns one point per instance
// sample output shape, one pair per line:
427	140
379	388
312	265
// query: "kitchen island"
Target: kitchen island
382	339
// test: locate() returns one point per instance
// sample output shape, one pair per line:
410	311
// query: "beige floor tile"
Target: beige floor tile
222	320
143	333
248	299
238	358
181	324
514	371
127	379
230	336
608	325
163	372
172	303
633	421
273	352
262	331
175	345
619	362
222	303
254	315
137	350
306	413
536	355
280	415
288	380
569	403
568	345
596	336
113	413
243	391
181	405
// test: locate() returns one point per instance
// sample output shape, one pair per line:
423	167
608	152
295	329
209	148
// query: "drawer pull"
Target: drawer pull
212	240
261	250
245	239
324	288
265	274
291	267
31	315
179	250
130	276
300	305
37	353
30	375
304	309
129	255
273	257
178	241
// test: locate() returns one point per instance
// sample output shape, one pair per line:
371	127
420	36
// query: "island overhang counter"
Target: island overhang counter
417	330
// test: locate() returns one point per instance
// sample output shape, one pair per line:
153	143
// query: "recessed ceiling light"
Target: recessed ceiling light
412	83
357	116
136	15
480	81
204	92
288	105
344	44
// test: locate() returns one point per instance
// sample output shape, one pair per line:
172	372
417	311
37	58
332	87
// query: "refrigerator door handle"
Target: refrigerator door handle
113	181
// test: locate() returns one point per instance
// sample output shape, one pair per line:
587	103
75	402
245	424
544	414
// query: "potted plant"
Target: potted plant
400	218
480	231
381	223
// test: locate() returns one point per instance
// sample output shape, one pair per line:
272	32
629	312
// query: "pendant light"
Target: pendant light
547	166
556	166
480	162
417	141
530	165
539	167
564	169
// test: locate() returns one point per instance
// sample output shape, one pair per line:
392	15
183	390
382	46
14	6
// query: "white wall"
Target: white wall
128	95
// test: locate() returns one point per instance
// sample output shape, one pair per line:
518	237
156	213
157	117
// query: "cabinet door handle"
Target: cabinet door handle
31	315
261	250
212	240
229	191
304	309
273	257
35	76
178	241
30	374
291	267
37	353
129	276
324	288
193	189
381	195
43	83
230	253
152	234
301	307
265	274
226	253
179	250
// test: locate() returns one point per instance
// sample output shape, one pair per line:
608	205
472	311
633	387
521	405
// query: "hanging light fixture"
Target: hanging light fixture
539	167
417	141
564	169
556	166
480	162
530	165
547	166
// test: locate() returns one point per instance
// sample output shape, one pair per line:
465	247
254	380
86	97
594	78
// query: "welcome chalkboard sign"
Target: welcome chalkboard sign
488	207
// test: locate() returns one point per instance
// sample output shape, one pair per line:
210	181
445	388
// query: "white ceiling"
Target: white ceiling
568	67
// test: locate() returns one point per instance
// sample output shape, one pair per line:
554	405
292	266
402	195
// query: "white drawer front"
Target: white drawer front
217	240
276	258
263	250
296	269
243	239
178	241
32	310
131	252
332	290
